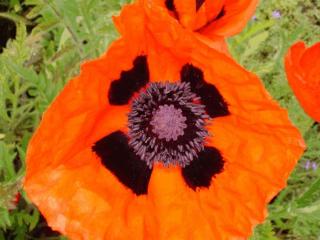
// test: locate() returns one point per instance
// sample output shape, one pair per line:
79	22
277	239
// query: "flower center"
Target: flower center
167	124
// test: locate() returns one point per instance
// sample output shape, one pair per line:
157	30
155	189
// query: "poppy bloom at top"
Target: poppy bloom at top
160	138
212	20
303	73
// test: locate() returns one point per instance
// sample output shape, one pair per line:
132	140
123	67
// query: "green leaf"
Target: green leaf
34	219
7	170
311	195
26	73
4	218
264	232
254	29
14	17
254	43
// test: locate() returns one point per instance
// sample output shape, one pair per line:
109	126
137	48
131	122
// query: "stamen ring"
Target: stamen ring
167	124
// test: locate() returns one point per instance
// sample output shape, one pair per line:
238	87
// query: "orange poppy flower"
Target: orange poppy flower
160	138
303	73
211	19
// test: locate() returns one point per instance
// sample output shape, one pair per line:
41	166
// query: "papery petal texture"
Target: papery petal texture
84	200
303	72
211	20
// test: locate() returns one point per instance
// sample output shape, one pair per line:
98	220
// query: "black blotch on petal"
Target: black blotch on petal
199	4
119	158
201	170
170	5
130	81
220	15
215	104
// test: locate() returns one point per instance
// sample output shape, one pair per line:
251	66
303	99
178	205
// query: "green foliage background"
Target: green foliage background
54	36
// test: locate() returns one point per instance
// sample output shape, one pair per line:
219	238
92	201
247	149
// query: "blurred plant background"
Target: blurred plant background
43	42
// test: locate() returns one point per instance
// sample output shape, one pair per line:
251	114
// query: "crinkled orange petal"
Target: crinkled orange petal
192	18
82	199
212	22
64	178
260	136
213	18
237	14
303	73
